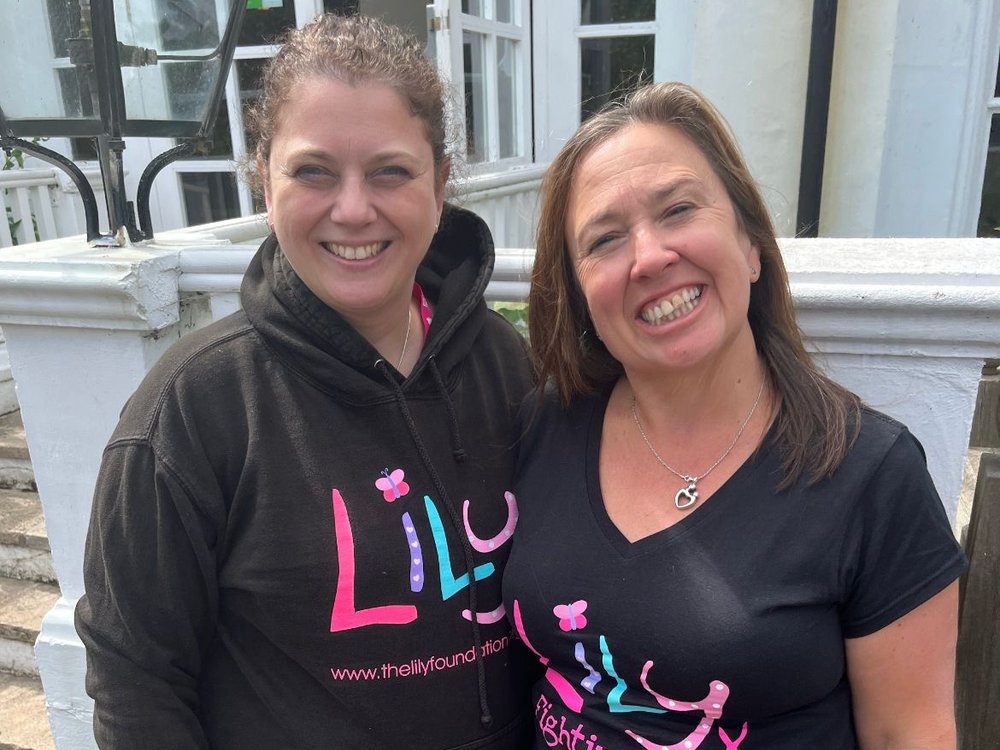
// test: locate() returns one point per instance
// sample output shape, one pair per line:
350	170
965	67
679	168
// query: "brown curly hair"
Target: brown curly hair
355	50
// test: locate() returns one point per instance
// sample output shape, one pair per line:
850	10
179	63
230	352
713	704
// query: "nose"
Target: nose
651	253
352	204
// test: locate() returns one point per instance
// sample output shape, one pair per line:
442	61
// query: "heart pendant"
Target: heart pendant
686	497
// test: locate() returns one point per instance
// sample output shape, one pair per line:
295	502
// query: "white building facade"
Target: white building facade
913	98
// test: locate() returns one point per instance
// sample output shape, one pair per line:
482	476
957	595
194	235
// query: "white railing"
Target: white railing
905	323
41	204
507	202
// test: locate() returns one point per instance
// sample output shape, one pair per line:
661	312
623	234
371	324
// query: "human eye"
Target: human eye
600	243
312	174
678	209
391	174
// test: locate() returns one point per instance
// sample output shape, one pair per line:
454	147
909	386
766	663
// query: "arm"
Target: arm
903	676
149	608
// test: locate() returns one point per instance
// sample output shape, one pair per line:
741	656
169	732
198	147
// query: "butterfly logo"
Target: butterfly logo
392	485
571	616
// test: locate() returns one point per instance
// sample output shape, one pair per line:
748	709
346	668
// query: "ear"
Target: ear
753	261
441	183
265	178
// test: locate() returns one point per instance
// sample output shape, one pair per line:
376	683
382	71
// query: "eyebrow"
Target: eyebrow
321	155
658	196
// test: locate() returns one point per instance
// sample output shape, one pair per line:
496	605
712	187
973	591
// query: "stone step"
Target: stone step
23	604
25	725
24	547
15	464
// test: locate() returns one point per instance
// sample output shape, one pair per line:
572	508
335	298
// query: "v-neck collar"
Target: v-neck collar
717	504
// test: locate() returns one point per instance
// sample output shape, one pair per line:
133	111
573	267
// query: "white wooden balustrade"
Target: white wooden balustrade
42	204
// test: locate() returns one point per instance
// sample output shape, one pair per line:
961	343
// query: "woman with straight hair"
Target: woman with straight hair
719	547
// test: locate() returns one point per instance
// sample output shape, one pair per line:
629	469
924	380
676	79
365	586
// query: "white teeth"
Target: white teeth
362	252
681	303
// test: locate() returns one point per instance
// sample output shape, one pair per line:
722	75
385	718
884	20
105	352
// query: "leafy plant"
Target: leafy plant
516	313
14	159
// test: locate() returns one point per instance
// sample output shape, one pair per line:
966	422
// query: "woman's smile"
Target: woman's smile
672	307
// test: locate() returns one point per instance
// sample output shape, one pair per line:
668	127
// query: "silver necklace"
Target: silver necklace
406	339
688	496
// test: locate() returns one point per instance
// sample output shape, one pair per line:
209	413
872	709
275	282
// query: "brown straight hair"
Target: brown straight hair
817	419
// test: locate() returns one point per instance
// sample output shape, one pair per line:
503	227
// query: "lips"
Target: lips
355	252
672	307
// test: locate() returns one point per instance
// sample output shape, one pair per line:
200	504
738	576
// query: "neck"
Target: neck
684	402
387	333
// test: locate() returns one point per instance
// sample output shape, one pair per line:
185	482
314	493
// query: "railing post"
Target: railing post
977	685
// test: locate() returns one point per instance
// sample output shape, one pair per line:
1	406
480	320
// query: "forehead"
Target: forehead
636	161
323	109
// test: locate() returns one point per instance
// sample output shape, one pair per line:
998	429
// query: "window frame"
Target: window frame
981	106
557	107
447	25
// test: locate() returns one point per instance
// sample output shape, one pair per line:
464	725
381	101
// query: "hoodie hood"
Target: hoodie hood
316	341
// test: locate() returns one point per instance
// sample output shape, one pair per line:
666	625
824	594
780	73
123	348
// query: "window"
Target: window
207	181
603	49
483	47
989	211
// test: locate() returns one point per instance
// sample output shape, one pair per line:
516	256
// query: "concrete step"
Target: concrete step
24	547
15	464
25	725
23	604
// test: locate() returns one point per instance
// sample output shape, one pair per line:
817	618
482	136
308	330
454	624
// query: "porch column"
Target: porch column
83	326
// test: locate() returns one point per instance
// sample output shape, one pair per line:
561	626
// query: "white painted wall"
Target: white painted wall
899	117
751	60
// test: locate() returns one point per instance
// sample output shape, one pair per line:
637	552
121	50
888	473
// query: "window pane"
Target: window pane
220	142
77	98
343	7
64	23
262	25
249	76
616	11
187	25
188	85
989	213
83	149
473	7
506	96
505	11
996	90
209	196
610	67
475	96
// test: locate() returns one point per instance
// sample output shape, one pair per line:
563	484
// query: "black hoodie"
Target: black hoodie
269	507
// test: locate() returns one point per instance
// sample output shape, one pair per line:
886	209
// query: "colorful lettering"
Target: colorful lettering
345	616
450	585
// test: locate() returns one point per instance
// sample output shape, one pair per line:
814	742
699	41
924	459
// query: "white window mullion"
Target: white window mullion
306	10
490	93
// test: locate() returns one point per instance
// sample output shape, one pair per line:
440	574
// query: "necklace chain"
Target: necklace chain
688	496
406	339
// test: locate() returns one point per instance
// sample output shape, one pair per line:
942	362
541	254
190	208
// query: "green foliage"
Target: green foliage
14	159
516	313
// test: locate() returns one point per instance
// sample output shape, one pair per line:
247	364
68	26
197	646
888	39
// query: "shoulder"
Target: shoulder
882	444
204	367
544	416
